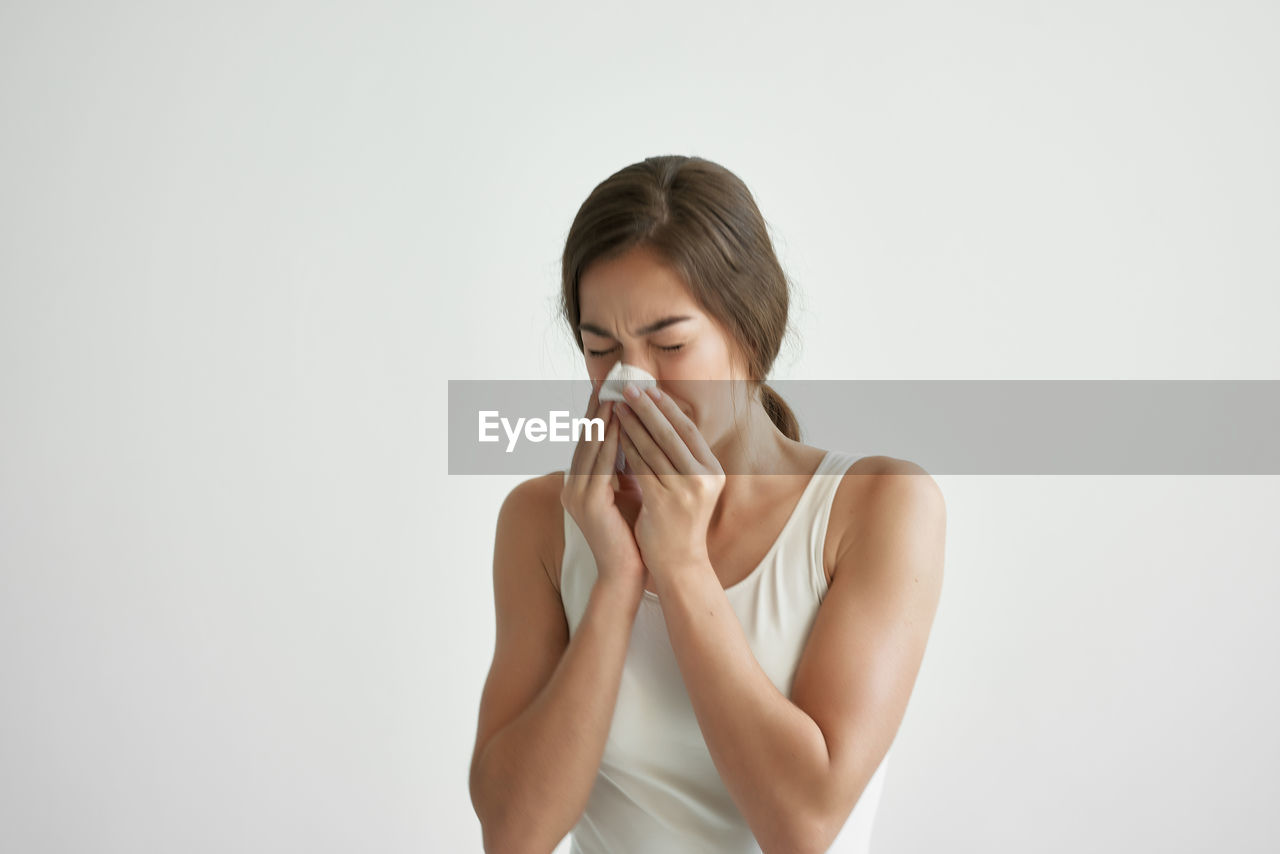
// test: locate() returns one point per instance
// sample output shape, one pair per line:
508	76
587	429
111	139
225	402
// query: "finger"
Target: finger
607	457
638	465
664	436
644	444
688	431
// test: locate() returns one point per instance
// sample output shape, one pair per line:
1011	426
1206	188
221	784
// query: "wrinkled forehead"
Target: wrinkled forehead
637	279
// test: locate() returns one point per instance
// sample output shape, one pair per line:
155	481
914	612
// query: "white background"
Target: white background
244	246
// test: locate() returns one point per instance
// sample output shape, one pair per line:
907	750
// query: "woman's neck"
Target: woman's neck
757	447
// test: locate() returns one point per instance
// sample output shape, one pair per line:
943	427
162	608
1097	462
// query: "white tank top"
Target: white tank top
657	790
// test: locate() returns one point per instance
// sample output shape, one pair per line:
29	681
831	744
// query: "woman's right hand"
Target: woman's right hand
605	515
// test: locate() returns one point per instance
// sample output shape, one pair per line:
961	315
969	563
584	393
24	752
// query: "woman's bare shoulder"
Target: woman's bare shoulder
853	491
534	510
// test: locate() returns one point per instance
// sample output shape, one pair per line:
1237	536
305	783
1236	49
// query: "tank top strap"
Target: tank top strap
829	475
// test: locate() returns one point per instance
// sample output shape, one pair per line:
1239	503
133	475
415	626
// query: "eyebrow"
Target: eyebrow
646	330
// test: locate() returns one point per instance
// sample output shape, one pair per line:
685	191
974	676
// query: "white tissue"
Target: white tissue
619	376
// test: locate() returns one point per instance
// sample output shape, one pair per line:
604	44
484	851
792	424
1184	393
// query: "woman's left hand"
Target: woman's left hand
680	482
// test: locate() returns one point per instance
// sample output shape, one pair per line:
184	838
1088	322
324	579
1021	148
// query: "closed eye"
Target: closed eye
670	349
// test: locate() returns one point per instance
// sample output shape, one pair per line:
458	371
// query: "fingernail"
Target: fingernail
630	391
655	392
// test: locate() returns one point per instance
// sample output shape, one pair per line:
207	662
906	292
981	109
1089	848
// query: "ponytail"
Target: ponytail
779	413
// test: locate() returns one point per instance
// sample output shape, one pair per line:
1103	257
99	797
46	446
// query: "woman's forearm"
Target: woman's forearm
771	756
535	775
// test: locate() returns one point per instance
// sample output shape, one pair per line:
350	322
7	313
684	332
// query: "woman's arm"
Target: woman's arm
796	767
548	701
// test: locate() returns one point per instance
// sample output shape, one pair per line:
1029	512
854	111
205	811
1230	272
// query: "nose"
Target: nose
638	361
633	360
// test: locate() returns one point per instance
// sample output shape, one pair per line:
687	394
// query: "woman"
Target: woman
687	660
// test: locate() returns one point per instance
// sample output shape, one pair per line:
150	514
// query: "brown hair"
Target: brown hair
701	219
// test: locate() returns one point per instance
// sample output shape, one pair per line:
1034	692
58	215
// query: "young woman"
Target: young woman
688	660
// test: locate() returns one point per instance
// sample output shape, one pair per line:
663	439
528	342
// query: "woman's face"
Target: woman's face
637	310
